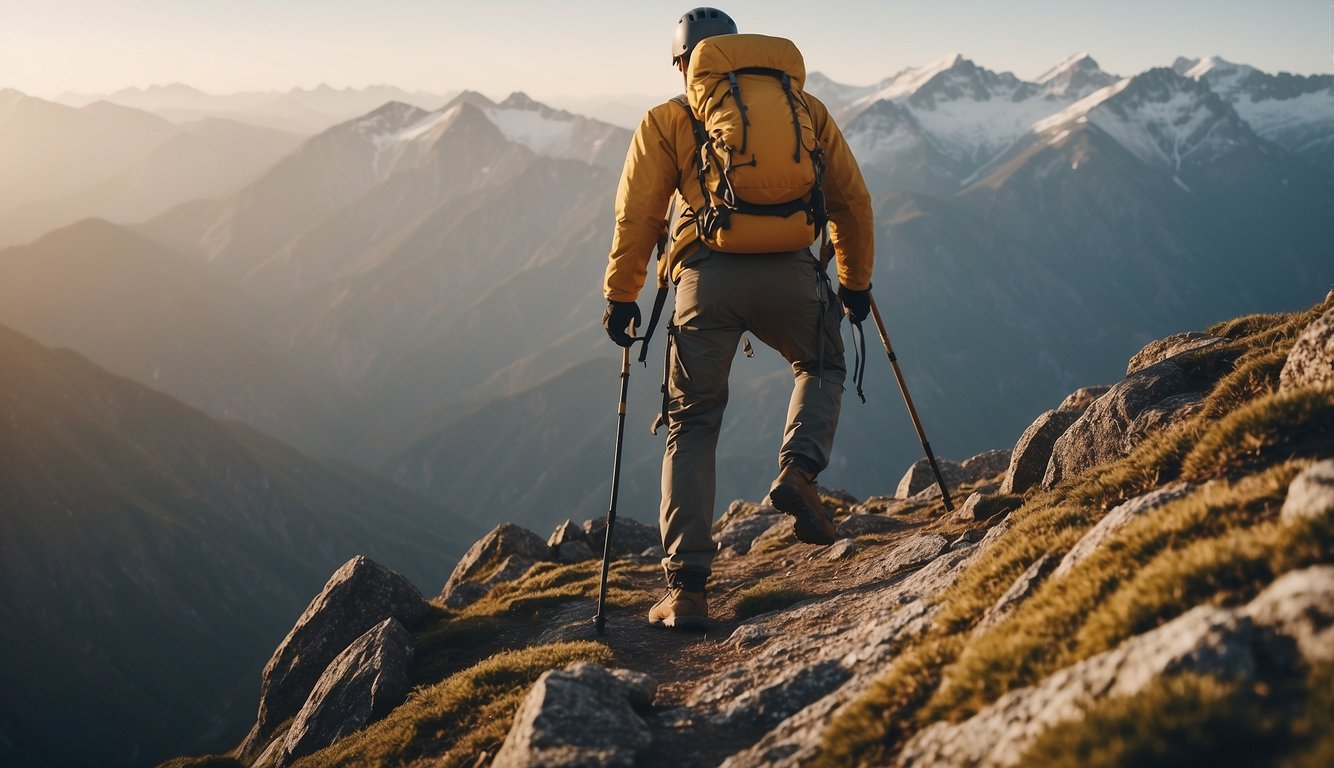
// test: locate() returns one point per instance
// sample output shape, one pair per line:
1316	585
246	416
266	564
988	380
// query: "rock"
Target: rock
1311	494
505	543
1115	423
919	477
583	715
749	635
859	524
839	550
740	508
1157	351
358	596
363	684
1311	361
779	535
965	538
984	506
460	595
1228	644
839	496
1028	461
1017	593
655	552
760	709
575	552
1300	606
628	536
569	544
916	551
737	536
984	466
1119	517
1083	397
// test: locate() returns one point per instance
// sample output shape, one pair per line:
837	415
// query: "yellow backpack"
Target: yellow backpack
759	163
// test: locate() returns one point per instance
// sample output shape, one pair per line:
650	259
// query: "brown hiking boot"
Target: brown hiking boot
682	608
794	492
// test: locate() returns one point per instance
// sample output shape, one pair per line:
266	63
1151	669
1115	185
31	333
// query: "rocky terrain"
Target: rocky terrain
1146	577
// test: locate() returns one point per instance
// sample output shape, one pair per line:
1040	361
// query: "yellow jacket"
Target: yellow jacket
661	161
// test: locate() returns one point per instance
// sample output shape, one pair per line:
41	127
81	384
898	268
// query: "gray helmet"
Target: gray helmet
697	24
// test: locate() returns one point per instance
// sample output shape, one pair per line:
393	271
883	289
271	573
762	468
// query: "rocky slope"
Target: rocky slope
1146	577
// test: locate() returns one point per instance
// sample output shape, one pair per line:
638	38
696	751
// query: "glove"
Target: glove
858	303
616	318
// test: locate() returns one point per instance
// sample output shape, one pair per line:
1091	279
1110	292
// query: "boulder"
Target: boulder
919	477
628	536
984	466
362	684
1157	351
1147	401
1018	592
358	596
736	537
761	708
862	524
1299	605
1028	461
569	544
461	594
583	715
1311	494
1082	398
1119	517
501	555
1229	644
984	506
839	550
1311	361
840	497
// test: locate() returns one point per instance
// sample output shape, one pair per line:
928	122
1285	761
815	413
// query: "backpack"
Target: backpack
759	163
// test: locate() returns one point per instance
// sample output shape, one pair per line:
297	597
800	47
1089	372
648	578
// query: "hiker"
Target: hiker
740	266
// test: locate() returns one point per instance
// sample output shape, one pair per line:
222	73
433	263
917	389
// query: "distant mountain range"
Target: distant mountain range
299	110
151	552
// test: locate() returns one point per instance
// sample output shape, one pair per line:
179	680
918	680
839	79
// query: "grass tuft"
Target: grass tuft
458	718
764	598
204	761
1275	427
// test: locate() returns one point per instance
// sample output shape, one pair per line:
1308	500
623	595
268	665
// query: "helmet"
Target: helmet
696	25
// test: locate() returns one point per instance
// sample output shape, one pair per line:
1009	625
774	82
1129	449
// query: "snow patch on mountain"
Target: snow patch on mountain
544	134
910	80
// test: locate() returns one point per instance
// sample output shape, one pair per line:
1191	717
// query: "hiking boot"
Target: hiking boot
794	492
685	606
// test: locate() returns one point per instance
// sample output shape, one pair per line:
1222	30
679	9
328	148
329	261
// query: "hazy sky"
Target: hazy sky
552	49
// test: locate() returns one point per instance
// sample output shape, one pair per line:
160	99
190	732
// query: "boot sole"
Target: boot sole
682	622
788	500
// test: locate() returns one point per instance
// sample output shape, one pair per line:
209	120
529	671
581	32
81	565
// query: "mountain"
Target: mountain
49	150
1294	111
301	110
442	267
145	312
931	128
203	159
152	554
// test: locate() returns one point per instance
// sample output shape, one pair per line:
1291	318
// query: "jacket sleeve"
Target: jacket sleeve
648	182
851	227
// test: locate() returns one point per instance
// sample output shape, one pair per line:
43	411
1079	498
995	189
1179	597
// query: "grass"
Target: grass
764	598
1186	720
547	584
1280	425
1199	720
1222	543
452	721
205	761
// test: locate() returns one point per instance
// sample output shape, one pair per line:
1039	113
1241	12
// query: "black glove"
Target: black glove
858	303
617	317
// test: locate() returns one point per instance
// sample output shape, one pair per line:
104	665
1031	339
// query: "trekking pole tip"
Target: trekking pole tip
600	624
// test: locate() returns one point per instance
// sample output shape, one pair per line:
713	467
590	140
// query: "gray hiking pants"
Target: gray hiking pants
779	299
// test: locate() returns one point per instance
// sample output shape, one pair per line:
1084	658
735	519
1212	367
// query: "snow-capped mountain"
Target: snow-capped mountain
1294	111
965	114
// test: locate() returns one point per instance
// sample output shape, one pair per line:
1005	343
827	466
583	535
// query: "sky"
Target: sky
597	48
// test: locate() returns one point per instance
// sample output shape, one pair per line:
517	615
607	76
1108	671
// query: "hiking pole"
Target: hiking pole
600	620
912	410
